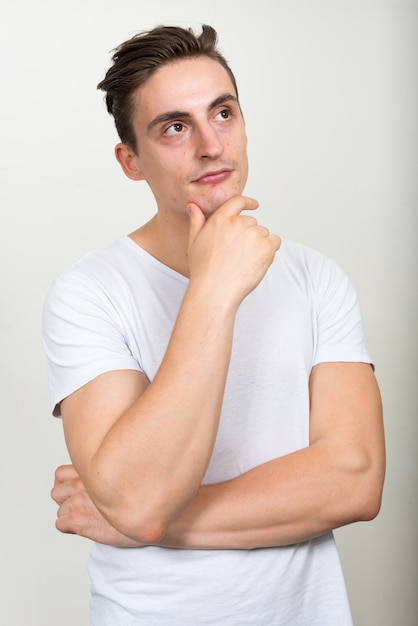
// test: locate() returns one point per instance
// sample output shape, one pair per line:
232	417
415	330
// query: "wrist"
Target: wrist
211	296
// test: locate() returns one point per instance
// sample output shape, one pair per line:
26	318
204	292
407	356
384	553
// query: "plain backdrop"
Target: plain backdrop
330	95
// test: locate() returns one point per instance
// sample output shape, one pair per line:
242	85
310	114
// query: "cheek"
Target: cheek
166	174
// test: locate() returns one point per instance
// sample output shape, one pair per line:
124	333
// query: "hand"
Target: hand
230	251
77	513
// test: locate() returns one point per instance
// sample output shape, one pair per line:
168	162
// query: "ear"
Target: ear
128	161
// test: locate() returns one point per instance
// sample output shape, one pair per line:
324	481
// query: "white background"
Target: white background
329	90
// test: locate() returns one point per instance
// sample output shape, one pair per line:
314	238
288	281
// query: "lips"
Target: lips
216	176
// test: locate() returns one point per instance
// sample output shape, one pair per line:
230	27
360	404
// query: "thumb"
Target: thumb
197	220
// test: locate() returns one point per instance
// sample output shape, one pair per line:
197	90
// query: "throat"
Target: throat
167	246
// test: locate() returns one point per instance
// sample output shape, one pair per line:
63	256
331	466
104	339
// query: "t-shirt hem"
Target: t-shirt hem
83	378
330	356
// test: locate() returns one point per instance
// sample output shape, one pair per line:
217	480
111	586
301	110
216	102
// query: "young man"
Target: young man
218	401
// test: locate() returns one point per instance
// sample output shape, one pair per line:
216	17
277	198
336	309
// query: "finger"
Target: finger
263	231
76	514
62	525
64	508
197	220
237	204
64	490
60	493
64	522
249	220
276	241
64	473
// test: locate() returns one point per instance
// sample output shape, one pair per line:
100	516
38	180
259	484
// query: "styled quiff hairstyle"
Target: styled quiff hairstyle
136	60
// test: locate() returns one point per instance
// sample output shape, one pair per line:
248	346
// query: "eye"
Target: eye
174	129
224	114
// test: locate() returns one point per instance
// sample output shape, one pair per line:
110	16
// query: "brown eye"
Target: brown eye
175	128
223	115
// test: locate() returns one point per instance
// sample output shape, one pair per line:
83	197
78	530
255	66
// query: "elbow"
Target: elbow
370	505
364	488
143	519
146	527
372	493
371	488
143	515
146	533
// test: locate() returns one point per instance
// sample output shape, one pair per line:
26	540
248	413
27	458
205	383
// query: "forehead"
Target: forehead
185	85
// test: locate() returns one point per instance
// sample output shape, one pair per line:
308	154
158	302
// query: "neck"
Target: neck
165	241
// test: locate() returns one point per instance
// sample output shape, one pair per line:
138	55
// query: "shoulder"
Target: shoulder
304	256
307	265
95	270
115	254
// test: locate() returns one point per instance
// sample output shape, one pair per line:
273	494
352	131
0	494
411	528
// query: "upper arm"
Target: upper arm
345	403
90	362
346	412
90	412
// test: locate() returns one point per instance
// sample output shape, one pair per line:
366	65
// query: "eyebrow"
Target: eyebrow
175	115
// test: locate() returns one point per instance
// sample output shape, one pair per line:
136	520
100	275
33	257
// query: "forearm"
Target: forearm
285	501
336	480
157	452
142	451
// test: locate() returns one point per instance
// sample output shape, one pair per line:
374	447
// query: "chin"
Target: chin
210	205
210	210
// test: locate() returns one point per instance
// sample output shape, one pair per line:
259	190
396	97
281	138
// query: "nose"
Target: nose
209	144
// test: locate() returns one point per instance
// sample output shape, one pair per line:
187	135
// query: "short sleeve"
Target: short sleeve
82	334
339	331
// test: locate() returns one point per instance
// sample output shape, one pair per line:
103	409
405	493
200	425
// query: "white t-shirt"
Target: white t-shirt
115	309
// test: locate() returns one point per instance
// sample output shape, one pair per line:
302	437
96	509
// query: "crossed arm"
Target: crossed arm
140	451
336	480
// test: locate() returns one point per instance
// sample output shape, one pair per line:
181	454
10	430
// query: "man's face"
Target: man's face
192	145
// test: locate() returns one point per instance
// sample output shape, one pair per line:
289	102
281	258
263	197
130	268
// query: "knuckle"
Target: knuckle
78	500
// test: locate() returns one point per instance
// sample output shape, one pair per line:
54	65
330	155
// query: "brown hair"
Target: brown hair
137	59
